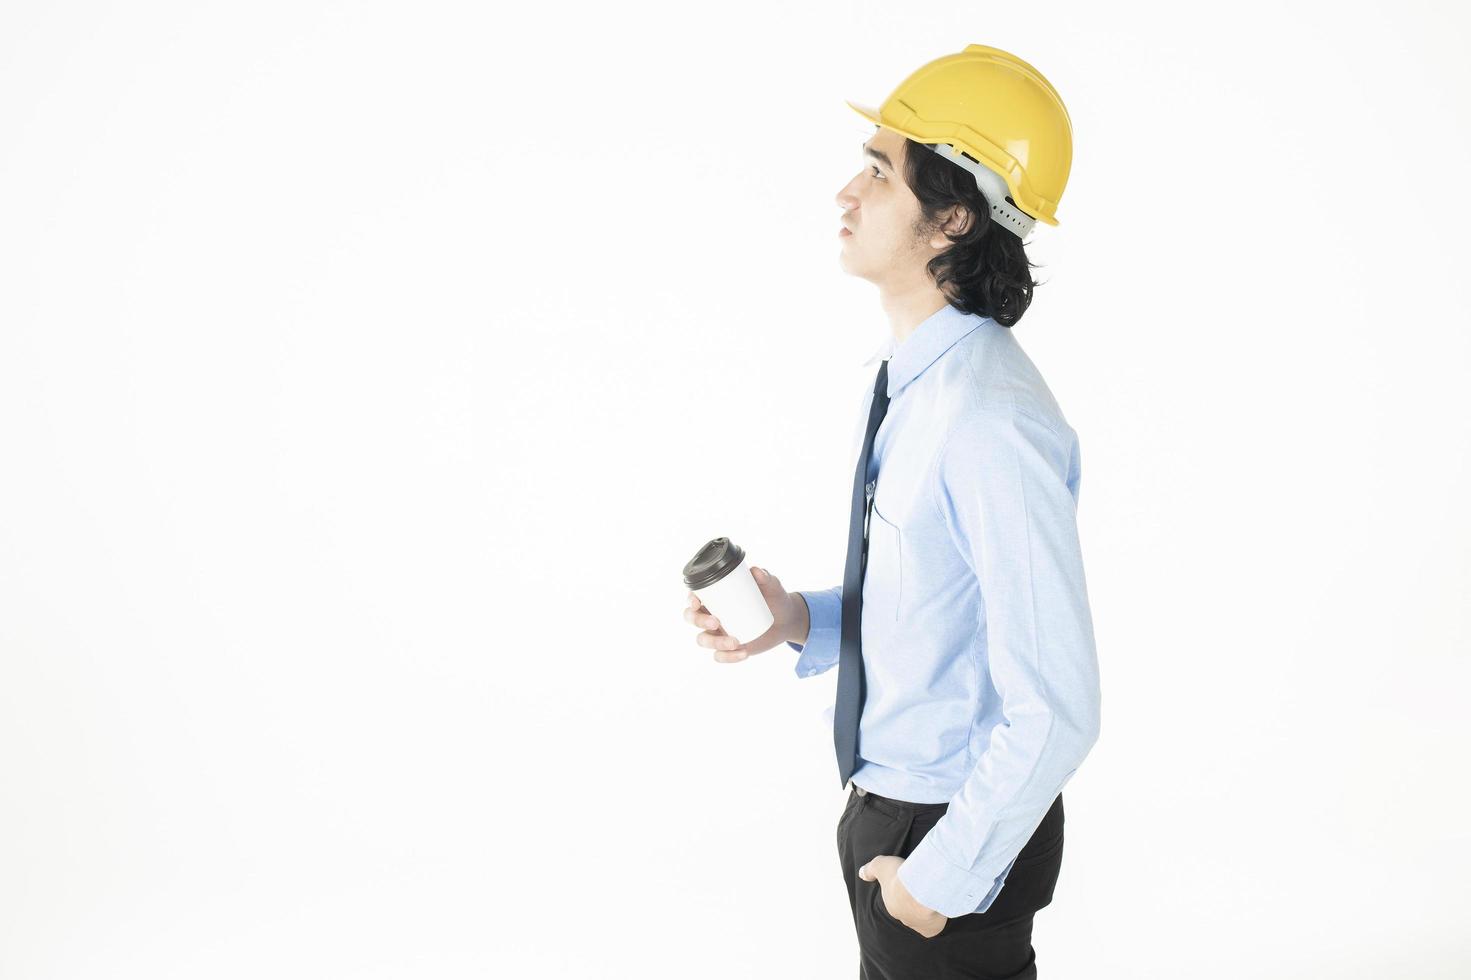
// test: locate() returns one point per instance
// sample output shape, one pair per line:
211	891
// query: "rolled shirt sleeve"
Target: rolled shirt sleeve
1007	488
824	619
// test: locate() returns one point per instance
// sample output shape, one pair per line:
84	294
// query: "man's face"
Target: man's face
881	212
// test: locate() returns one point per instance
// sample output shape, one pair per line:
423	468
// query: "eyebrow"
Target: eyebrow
880	154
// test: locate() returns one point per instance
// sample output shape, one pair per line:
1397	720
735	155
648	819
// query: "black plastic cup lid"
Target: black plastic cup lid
712	563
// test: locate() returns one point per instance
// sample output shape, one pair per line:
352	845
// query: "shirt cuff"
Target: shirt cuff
824	622
951	890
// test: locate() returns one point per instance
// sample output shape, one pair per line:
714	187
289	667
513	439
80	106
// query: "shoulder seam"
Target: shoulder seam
1011	401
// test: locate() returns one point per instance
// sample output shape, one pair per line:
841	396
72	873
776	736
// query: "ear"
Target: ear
955	222
959	220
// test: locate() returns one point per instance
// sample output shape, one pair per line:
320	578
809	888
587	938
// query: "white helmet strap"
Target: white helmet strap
1003	212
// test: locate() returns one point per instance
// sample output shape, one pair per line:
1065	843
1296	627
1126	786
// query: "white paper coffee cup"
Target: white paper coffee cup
720	577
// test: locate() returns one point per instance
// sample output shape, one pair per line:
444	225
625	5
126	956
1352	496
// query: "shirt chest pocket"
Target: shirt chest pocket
883	579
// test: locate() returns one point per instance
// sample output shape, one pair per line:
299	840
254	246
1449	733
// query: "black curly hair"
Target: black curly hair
986	271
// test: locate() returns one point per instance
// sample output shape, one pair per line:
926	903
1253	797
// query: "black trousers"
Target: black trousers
991	945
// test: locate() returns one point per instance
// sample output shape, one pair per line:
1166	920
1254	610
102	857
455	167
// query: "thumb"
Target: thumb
864	873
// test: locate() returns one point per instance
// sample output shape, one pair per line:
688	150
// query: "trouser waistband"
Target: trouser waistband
898	807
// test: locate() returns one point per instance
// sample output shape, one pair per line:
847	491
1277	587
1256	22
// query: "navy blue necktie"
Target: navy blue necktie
851	685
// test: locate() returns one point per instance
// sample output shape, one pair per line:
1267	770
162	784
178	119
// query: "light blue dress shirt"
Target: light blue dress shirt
982	677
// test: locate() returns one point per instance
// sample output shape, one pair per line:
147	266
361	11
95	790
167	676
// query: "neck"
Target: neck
908	308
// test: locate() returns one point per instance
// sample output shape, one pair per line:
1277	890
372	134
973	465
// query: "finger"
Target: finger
705	621
717	641
703	618
730	656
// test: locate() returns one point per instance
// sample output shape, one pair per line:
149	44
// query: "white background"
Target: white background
368	372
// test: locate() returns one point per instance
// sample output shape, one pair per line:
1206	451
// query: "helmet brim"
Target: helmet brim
867	112
872	115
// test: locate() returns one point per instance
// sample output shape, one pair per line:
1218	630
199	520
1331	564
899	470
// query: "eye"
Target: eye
875	170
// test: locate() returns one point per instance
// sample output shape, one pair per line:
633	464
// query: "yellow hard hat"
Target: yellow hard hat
998	117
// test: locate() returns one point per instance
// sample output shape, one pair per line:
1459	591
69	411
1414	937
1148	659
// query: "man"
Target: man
968	689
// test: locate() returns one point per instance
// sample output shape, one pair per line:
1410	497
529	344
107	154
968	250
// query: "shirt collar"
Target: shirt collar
936	334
